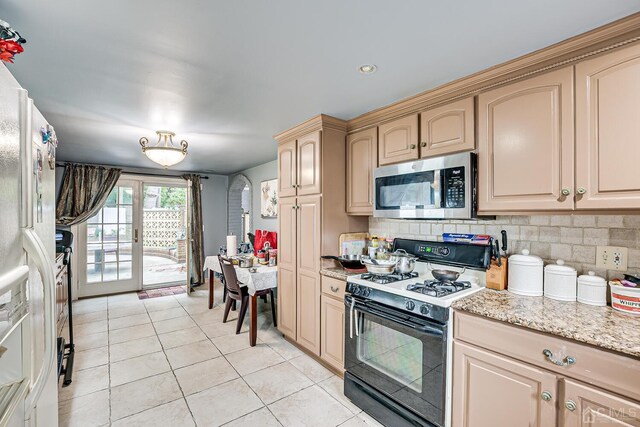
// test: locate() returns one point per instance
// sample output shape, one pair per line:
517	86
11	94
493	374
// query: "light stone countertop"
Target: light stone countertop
599	326
336	273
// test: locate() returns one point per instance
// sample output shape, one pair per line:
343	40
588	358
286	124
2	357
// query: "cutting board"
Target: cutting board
353	243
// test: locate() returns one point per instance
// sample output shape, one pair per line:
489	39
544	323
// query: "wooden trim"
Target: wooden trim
616	34
319	122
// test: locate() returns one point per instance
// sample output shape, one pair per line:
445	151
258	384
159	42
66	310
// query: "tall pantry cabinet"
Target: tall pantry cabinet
312	215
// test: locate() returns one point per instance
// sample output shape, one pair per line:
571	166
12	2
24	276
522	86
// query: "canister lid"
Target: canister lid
592	279
523	258
560	268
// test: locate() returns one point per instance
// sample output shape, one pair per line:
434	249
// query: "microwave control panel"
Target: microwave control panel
454	187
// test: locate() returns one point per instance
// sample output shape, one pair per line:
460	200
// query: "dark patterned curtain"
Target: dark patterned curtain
84	191
197	235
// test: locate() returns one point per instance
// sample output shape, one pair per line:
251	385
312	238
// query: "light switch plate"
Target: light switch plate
612	258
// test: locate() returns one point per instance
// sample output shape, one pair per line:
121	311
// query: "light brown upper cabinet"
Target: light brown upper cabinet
287	169
608	130
447	129
398	140
309	164
526	145
362	159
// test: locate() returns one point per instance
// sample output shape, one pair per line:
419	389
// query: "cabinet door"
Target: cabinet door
332	331
584	405
398	140
525	145
287	171
608	130
493	390
362	159
287	298
308	273
448	129
309	164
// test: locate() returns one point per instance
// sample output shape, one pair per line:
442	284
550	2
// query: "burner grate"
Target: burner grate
438	289
383	279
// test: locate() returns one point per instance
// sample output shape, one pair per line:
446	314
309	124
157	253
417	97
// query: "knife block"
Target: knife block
497	275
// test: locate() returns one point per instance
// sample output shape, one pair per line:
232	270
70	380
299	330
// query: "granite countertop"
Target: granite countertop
336	273
599	326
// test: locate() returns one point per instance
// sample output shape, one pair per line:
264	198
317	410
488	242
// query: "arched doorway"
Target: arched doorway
239	218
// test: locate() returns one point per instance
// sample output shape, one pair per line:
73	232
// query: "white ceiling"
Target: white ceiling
227	75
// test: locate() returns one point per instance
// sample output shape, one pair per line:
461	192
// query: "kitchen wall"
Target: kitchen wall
572	238
257	174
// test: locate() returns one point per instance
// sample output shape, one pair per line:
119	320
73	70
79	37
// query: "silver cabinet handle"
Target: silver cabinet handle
564	362
546	396
335	288
413	146
570	405
581	190
566	191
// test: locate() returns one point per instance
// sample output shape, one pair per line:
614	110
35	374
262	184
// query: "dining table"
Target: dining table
259	278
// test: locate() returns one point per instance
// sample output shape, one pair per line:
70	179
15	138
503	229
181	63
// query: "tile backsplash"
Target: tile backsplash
572	238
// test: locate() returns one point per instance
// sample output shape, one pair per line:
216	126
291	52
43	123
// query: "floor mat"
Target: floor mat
162	292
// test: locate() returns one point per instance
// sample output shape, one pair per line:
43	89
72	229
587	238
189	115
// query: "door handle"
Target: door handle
135	235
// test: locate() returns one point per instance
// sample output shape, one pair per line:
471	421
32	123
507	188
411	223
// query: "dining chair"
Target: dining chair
237	292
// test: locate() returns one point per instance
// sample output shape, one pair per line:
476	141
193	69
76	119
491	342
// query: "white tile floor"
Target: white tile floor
170	361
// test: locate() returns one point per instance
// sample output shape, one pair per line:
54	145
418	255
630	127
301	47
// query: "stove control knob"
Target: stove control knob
366	292
410	305
425	309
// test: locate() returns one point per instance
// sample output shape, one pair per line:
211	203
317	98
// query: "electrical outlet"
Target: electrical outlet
612	258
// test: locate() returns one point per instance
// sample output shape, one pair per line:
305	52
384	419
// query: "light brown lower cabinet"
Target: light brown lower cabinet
332	331
332	322
584	405
493	390
494	386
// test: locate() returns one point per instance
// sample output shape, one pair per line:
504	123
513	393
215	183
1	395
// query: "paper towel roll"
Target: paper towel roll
232	245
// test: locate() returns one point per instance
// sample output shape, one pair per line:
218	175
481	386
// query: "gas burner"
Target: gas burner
436	288
383	279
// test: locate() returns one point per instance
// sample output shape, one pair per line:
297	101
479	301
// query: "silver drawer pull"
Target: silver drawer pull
335	288
564	362
570	405
546	396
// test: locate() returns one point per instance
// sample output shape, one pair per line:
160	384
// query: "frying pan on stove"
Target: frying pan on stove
350	262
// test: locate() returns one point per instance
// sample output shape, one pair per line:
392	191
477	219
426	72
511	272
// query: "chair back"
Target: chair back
229	273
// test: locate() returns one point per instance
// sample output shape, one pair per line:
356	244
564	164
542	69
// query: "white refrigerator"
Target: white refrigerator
28	374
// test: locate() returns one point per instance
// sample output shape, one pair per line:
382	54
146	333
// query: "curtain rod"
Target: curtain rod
132	173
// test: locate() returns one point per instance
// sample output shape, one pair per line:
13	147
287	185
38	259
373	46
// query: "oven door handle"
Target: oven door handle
413	325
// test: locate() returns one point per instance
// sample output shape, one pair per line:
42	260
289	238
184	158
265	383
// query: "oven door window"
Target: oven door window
419	190
392	353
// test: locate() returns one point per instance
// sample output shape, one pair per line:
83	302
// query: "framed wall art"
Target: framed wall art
269	198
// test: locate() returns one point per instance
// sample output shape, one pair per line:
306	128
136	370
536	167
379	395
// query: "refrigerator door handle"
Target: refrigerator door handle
35	249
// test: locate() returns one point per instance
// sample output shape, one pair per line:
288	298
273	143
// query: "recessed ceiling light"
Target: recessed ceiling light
367	69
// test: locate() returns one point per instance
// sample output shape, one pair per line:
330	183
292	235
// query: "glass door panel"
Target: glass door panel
164	234
110	257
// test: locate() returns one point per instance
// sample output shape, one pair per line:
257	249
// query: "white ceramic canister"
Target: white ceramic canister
592	289
560	282
525	274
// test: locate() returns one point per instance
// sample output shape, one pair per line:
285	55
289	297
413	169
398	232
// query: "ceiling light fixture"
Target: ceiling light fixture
367	69
164	152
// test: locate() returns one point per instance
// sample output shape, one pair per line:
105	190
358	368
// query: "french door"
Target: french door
138	240
109	244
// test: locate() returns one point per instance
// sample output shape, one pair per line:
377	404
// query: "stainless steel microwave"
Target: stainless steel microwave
436	188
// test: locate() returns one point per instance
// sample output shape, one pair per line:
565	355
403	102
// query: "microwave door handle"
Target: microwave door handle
438	191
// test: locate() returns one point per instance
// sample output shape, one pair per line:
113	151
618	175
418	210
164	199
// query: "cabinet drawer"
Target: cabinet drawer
333	287
601	368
